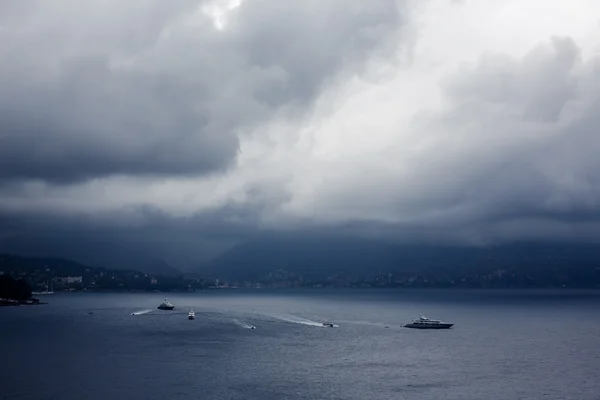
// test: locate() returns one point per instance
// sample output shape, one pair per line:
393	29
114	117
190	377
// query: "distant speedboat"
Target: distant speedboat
191	314
166	305
328	324
426	323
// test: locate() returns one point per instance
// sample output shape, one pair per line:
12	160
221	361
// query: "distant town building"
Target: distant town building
69	280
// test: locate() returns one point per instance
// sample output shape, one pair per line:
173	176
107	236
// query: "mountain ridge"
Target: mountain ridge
317	259
93	254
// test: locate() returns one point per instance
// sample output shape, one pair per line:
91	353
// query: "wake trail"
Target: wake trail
245	326
297	320
141	312
366	323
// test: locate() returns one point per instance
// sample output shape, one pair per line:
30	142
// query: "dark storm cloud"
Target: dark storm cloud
152	88
131	237
509	155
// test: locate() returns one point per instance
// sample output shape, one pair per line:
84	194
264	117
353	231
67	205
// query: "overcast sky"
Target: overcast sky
187	125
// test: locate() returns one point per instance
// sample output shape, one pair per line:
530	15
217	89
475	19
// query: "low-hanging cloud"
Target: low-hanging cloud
399	120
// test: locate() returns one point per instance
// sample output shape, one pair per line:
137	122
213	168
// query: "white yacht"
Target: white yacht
166	305
191	314
47	291
426	323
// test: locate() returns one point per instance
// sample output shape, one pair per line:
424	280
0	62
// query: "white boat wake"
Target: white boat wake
141	312
245	326
366	323
298	320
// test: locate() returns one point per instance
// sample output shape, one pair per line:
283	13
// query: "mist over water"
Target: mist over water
504	345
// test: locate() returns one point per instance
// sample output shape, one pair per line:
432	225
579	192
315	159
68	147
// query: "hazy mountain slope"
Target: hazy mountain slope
318	258
95	254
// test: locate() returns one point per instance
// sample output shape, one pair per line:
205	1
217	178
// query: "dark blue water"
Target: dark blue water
505	345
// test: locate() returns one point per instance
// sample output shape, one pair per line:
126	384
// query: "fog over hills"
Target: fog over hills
318	258
95	253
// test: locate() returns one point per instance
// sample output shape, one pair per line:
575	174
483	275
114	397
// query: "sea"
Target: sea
505	344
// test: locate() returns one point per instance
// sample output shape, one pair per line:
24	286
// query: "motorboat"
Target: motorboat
328	324
166	305
191	314
426	323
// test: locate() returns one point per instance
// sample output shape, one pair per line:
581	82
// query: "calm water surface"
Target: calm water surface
505	345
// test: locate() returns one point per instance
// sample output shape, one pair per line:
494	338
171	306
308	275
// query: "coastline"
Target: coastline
17	303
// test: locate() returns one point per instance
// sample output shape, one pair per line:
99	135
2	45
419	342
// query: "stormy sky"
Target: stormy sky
178	128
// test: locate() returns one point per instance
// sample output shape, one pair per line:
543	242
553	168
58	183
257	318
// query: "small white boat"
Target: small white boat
328	324
166	305
191	314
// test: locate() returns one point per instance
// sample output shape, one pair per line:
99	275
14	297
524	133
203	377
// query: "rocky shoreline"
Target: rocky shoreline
15	303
